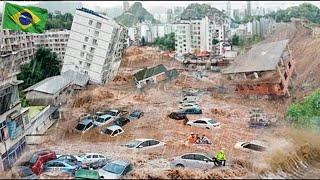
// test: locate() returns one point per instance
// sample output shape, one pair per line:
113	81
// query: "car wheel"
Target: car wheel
101	177
180	166
207	128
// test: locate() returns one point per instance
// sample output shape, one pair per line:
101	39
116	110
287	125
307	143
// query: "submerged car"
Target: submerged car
205	123
115	169
23	172
38	159
61	165
194	160
121	121
103	120
178	116
250	146
86	174
113	130
135	115
193	110
90	157
67	157
144	144
84	125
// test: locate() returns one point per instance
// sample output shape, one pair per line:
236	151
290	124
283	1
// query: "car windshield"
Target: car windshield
112	113
33	159
101	120
113	168
80	127
212	121
107	131
25	172
135	114
132	144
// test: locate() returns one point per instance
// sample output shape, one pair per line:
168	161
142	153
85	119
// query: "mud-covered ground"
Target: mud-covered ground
157	102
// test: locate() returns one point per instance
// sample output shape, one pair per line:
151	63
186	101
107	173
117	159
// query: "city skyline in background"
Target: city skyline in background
154	5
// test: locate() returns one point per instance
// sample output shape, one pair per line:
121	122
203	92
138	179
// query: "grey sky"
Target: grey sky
169	4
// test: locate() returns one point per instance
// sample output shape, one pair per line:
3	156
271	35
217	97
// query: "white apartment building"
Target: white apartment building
197	35
56	40
95	46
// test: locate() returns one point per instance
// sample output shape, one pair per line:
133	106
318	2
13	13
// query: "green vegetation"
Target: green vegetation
306	113
45	64
235	40
135	14
35	110
196	10
305	11
166	43
143	41
215	41
59	21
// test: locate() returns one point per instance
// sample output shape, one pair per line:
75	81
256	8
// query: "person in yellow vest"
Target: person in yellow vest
221	157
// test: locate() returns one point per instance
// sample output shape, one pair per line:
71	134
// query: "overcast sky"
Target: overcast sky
171	4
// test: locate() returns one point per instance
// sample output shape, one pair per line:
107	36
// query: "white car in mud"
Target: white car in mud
90	157
251	146
144	144
205	123
194	160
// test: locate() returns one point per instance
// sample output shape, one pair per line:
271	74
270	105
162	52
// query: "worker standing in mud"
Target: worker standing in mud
221	158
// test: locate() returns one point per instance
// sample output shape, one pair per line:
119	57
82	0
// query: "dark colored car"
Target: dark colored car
38	159
121	121
191	111
259	124
135	115
23	172
178	116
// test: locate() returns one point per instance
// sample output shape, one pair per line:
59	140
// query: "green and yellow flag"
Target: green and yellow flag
24	18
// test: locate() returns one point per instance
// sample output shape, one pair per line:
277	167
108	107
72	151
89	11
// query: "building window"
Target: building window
86	72
84	47
80	62
94	42
98	25
96	33
90	22
81	54
3	131
88	64
92	50
86	39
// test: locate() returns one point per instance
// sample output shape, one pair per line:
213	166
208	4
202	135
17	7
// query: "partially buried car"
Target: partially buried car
136	114
23	172
112	131
144	144
115	169
84	125
178	116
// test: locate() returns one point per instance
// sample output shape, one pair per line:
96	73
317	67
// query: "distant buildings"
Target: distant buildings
55	40
170	17
262	28
95	46
248	9
125	6
197	35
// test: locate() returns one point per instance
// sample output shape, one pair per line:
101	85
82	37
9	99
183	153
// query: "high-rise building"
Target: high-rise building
197	35
95	46
55	40
125	5
16	48
248	10
228	8
236	14
170	17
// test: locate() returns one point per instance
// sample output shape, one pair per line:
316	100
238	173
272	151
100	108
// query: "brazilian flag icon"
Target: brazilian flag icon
24	18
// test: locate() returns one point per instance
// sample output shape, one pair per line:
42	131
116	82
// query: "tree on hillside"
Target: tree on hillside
305	11
59	21
167	42
45	64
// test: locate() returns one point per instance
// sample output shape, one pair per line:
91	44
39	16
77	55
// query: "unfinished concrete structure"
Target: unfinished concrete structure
265	70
